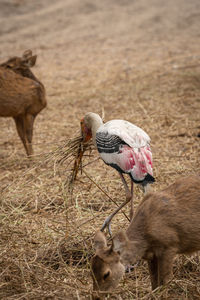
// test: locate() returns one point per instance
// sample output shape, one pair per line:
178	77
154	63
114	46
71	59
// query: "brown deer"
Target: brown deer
166	223
22	95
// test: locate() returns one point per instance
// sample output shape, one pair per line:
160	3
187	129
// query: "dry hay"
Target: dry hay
71	151
46	233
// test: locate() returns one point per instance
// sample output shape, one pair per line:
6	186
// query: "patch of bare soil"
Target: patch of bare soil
136	60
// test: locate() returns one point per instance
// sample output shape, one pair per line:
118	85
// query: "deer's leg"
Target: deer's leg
153	271
28	122
21	129
165	263
19	121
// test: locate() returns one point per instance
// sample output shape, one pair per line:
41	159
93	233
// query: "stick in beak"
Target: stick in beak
86	136
86	132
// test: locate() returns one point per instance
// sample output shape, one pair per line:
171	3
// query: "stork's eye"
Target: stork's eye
106	275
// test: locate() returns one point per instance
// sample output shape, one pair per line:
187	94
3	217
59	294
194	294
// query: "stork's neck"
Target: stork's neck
93	121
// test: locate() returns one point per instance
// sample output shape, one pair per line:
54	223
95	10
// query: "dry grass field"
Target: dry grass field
134	60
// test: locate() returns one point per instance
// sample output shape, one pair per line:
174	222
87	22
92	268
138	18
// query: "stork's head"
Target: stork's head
89	125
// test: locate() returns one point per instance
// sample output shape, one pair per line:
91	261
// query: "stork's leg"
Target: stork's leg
128	193
147	188
132	207
109	218
129	196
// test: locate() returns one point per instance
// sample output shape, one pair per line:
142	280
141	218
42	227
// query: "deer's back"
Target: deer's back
19	94
170	217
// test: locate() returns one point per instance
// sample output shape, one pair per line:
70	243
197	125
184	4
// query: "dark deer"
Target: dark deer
166	223
22	95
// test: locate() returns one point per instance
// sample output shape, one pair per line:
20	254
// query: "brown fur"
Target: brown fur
166	223
22	95
106	266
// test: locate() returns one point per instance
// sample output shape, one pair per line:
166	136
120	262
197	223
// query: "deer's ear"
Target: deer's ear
119	242
99	240
29	62
27	54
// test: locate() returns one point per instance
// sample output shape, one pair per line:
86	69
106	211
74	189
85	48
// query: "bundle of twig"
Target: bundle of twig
69	149
76	148
73	149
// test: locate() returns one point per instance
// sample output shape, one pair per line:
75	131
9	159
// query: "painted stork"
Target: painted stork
123	146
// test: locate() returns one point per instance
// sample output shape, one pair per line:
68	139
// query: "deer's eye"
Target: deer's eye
106	275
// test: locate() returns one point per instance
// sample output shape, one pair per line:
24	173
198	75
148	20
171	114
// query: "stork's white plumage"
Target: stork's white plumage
123	146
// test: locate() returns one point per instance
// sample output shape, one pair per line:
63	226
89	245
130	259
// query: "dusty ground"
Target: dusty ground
137	60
